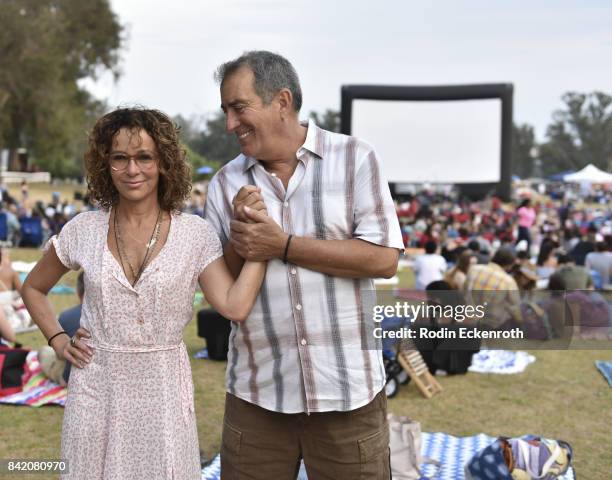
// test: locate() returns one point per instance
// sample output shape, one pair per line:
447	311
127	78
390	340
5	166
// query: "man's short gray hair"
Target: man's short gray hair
272	73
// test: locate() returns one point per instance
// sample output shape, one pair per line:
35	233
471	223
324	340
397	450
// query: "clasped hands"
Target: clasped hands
254	235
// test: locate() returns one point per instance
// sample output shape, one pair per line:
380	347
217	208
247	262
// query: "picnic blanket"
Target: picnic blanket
59	289
201	354
23	267
38	390
606	370
500	361
452	452
213	470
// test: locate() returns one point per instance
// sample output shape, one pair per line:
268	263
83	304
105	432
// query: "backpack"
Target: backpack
525	458
535	322
592	313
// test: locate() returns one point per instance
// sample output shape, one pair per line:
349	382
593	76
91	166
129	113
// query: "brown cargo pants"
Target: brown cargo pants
262	444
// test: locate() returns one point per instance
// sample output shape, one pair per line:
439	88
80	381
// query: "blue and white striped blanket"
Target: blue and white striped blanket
212	471
452	452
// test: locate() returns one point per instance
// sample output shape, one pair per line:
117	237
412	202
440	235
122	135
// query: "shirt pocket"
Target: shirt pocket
327	216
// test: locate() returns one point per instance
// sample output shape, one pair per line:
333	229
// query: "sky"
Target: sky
544	48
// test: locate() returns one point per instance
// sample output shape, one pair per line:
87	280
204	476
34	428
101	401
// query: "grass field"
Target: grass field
561	395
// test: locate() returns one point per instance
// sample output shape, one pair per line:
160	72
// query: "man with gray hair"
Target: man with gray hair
301	380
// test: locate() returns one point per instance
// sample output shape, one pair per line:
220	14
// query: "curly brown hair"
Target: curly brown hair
174	172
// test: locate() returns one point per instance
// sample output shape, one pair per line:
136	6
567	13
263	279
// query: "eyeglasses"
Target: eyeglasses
119	161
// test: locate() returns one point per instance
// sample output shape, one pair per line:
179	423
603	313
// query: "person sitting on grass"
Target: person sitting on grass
493	286
7	333
10	295
9	278
429	267
576	277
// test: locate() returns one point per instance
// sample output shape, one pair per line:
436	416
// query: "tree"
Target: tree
329	120
190	134
523	144
581	133
214	143
46	48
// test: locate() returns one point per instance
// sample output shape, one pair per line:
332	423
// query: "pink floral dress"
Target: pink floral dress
129	413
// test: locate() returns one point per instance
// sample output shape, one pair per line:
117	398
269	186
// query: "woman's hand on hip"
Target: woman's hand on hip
75	349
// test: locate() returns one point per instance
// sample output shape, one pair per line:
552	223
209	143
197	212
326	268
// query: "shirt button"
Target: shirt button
303	342
298	307
273	174
286	204
293	271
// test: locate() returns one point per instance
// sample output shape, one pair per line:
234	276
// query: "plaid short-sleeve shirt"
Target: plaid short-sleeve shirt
302	347
489	285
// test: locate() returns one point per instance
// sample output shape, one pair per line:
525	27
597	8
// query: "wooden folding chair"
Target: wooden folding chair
415	366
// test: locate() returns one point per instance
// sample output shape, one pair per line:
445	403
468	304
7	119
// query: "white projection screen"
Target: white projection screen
447	134
435	142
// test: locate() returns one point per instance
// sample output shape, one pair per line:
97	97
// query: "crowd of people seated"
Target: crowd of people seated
543	233
508	255
26	222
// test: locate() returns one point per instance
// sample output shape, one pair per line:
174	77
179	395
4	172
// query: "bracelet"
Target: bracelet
287	248
63	332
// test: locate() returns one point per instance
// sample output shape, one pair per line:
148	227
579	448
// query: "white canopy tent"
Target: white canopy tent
590	174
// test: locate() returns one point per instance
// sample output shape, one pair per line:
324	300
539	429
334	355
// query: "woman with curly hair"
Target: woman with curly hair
130	411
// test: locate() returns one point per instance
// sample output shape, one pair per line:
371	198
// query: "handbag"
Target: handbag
405	448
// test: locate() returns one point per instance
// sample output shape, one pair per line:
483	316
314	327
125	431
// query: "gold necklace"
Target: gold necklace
122	252
148	244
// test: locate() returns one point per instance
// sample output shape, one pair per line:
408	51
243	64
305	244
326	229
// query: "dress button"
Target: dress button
303	342
293	271
286	204
298	307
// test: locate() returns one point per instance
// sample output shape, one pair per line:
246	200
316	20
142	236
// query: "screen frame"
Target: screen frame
436	93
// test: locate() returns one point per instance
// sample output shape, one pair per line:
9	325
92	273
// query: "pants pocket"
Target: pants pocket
231	440
374	456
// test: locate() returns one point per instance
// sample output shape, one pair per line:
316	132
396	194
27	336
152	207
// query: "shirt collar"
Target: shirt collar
314	139
313	143
248	163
